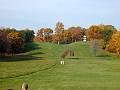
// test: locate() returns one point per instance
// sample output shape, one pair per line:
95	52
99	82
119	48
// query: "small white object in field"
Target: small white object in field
62	62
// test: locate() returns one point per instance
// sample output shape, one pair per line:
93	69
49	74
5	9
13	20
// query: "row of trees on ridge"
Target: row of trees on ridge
107	35
14	41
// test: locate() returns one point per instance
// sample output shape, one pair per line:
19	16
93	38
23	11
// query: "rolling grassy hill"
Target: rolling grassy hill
41	69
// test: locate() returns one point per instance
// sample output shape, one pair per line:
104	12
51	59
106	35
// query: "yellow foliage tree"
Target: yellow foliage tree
16	42
114	44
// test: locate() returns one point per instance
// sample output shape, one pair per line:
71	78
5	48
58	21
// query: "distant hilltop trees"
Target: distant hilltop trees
13	41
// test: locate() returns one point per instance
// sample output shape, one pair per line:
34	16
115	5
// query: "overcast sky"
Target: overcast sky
35	14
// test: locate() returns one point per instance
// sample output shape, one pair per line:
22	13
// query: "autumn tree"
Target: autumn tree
114	44
59	27
69	35
66	37
77	33
39	39
16	42
57	38
94	32
46	33
102	33
40	32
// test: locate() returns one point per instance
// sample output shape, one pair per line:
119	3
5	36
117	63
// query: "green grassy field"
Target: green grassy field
41	69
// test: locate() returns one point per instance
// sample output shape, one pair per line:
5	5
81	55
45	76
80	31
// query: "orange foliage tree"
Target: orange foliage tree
45	33
114	44
16	42
57	38
39	39
70	35
77	33
94	32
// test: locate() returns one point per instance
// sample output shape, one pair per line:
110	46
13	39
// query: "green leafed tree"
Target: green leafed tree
107	32
27	35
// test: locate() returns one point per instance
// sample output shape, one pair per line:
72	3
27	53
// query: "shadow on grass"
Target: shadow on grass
23	56
19	58
103	56
36	53
31	46
73	58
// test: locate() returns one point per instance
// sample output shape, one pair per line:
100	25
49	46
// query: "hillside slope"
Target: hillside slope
41	69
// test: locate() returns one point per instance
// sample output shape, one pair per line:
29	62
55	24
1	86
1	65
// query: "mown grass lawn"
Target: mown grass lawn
41	69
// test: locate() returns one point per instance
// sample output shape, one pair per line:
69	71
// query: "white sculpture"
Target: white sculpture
84	38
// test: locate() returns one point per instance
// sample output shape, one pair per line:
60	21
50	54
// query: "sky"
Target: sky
35	14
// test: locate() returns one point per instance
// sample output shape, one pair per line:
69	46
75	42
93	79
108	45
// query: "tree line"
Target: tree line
13	41
107	36
60	35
